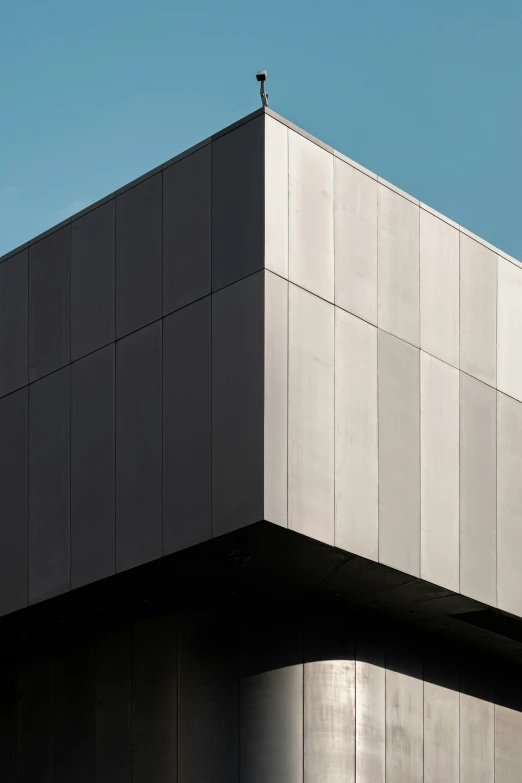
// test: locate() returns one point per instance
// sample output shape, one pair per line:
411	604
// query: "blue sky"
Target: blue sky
426	94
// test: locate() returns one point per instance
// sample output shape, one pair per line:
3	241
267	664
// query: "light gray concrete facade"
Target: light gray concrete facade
425	317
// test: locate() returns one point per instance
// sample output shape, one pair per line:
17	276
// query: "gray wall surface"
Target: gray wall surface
258	696
260	329
419	444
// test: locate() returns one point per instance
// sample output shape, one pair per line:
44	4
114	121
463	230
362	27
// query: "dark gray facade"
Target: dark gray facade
259	495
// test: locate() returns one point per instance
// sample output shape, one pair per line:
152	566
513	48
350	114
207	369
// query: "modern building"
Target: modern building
260	482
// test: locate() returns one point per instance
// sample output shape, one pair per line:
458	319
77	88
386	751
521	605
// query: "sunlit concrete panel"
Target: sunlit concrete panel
329	705
276	196
478	490
441	734
356	436
439	472
355	205
399	454
404	727
477	722
509	347
370	722
311	233
271	700
276	400
508	745
398	265
509	503
439	288
311	415
478	310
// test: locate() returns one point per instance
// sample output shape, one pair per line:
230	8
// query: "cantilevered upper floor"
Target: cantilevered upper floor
260	329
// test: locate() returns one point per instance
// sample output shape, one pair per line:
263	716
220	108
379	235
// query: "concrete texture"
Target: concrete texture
399	454
355	217
310	415
478	310
439	288
356	436
310	210
398	266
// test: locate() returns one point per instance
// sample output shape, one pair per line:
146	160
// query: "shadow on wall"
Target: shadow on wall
259	695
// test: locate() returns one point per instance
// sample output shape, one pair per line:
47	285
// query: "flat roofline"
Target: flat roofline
253	115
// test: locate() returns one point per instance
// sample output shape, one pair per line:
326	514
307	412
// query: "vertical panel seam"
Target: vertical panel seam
162	384
288	337
377	386
70	408
211	349
28	448
496	433
334	355
115	391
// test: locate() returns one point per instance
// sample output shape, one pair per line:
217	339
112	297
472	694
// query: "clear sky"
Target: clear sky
426	94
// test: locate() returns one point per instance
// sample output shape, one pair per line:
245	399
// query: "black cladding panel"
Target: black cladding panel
93	467
238	203
138	255
50	303
49	486
187	497
139	447
238	405
187	230
93	280
13	498
13	323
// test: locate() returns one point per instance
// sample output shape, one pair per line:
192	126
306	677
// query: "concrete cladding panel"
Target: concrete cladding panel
439	288
399	454
14	315
509	504
509	338
478	310
398	265
329	701
276	197
311	216
477	732
271	699
370	714
439	472
311	415
276	400
404	724
356	436
441	734
478	490
508	748
355	204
